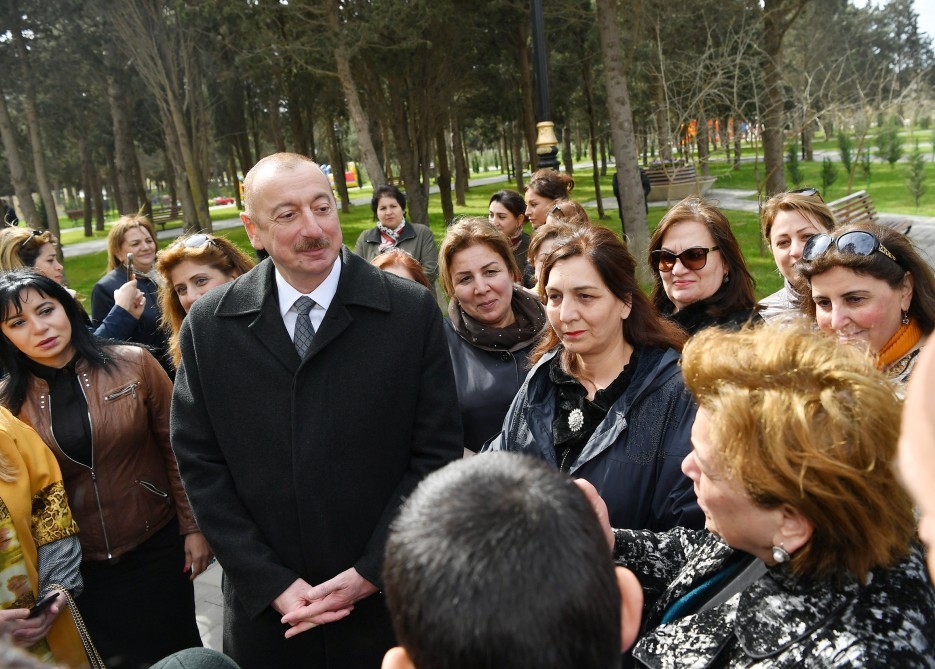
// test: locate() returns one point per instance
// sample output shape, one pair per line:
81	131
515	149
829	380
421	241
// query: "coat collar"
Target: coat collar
255	293
372	236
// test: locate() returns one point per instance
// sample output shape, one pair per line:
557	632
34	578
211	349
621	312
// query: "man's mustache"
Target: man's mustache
312	245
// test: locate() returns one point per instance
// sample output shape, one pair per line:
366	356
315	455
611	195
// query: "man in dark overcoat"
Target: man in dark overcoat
296	459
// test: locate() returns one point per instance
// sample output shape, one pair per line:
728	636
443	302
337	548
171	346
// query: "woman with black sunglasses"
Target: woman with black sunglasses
699	275
190	267
869	285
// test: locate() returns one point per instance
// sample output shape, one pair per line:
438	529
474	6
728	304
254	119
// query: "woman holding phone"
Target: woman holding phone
131	253
103	410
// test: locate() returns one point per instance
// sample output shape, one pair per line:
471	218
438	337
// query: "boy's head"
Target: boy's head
499	561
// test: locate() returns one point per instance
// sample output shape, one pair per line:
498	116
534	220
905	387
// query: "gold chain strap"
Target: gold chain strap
94	658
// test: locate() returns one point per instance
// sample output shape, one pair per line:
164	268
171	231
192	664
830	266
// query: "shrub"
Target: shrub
793	168
915	182
829	174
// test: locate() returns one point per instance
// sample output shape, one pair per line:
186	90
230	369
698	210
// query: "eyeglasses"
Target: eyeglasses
694	258
856	242
808	192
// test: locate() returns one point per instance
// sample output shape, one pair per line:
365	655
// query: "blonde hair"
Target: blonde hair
19	247
467	232
118	233
810	206
216	252
800	420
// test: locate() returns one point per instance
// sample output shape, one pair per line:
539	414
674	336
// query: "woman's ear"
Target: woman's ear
795	529
397	658
631	607
905	292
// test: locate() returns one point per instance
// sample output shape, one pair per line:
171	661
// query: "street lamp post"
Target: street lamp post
546	142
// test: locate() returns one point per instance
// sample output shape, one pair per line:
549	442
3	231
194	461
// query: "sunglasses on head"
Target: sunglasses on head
808	192
195	241
33	237
856	242
693	258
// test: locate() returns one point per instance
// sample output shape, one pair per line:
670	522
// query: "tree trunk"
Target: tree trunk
703	143
603	149
738	142
32	122
126	193
566	150
587	82
808	131
529	111
98	187
275	122
517	157
17	171
775	99
662	125
444	176
462	178
368	154
87	184
621	126
336	157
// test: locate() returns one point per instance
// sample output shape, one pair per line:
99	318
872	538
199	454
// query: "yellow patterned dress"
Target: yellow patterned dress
33	512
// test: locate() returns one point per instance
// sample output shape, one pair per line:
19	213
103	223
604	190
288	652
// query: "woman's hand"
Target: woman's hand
130	298
197	553
26	631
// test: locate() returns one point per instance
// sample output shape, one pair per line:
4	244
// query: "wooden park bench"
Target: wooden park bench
671	184
858	208
162	216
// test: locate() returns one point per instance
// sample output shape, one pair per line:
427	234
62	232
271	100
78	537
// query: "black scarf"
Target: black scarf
530	321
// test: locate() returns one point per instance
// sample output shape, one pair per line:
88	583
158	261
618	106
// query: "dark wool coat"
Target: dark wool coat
779	621
296	468
146	330
635	455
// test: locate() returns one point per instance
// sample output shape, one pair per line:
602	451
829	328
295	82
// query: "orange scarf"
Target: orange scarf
905	339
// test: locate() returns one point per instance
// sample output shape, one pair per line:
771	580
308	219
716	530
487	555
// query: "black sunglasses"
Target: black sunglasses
856	242
808	192
694	258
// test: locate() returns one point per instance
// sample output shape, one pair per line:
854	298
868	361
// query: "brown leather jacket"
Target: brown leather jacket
134	487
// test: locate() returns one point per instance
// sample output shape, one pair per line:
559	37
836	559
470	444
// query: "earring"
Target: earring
780	554
727	278
905	318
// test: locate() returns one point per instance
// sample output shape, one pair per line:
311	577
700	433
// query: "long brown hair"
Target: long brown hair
617	269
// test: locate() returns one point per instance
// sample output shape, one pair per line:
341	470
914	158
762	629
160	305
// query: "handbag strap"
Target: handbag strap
94	658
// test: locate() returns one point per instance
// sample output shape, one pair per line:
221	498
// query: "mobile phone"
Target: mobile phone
130	273
43	604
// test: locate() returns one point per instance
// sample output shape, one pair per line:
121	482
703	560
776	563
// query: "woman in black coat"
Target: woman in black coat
492	324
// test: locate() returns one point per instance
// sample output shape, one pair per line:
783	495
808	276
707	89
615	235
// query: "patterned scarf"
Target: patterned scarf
390	237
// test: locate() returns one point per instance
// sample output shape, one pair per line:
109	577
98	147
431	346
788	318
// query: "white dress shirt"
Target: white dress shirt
321	295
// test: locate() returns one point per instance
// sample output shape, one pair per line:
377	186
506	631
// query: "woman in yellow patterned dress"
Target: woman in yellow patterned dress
39	549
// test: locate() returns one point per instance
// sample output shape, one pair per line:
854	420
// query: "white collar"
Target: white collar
322	295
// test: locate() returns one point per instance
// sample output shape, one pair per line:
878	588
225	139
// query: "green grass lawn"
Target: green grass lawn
84	271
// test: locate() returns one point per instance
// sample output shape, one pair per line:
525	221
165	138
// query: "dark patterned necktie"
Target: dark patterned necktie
304	330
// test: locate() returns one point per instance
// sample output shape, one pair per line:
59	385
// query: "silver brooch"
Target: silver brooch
575	420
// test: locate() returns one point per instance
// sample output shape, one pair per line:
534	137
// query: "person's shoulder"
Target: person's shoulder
112	278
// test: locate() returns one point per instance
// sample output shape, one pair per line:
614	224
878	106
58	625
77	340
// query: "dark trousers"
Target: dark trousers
141	608
356	642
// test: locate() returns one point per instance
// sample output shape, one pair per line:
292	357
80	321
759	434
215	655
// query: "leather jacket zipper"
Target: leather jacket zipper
123	391
97	494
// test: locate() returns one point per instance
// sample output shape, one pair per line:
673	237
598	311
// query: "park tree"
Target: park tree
626	151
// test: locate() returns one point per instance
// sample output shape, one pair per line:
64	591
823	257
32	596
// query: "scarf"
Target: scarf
517	240
905	339
530	320
390	237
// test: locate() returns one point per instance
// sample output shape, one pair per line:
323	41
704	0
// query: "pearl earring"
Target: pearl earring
780	554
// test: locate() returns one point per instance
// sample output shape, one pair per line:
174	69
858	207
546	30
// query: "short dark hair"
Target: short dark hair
387	190
512	201
499	561
12	285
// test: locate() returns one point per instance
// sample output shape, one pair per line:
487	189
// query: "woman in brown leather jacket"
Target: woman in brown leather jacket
103	409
